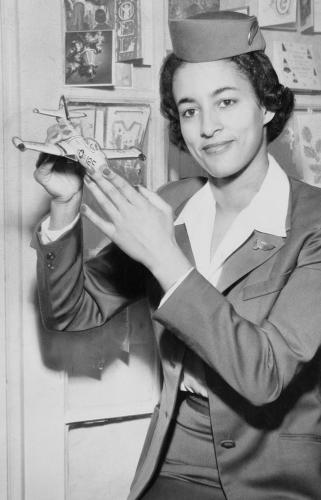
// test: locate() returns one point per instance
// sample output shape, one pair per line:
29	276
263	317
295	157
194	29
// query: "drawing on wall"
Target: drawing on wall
84	15
279	14
308	132
295	64
125	126
180	9
117	127
89	58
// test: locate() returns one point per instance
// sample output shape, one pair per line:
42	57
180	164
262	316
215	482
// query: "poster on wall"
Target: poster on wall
306	16
180	9
84	15
90	45
310	16
308	146
89	58
295	64
128	29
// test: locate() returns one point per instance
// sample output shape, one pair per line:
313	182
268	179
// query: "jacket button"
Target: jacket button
50	266
50	256
228	443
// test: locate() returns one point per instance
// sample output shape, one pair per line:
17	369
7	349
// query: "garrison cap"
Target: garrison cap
210	36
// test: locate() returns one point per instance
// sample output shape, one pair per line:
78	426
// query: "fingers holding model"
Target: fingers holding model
139	222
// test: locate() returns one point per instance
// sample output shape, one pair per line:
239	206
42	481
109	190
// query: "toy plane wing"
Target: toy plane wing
59	113
63	149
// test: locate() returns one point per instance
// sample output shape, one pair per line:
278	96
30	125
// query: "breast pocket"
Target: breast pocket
274	284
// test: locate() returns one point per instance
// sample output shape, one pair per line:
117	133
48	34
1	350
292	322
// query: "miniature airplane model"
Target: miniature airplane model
87	152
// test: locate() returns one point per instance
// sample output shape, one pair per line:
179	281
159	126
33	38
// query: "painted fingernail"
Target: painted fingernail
83	209
107	172
91	170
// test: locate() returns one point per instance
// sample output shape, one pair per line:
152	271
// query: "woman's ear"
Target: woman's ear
268	116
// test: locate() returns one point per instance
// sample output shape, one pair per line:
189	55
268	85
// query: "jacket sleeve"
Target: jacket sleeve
75	295
258	361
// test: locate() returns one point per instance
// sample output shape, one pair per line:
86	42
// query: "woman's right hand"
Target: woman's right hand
61	177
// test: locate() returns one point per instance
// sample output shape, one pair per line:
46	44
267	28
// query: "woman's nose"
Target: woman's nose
210	124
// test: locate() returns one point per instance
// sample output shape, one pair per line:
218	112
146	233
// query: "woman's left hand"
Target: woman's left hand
139	222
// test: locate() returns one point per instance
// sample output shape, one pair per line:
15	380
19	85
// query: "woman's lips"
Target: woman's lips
216	147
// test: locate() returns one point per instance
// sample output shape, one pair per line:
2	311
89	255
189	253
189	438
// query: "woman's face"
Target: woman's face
221	120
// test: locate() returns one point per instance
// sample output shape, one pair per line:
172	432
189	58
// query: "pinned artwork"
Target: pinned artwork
180	9
117	127
84	15
308	143
278	14
89	58
296	65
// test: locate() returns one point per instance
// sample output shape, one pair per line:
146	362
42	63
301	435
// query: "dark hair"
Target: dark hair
257	67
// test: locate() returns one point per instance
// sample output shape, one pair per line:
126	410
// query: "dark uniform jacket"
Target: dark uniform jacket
258	334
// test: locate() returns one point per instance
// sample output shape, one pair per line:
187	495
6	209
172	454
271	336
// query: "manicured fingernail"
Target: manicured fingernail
91	170
107	172
83	209
87	179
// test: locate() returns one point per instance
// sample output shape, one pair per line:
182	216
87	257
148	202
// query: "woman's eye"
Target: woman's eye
226	103
188	113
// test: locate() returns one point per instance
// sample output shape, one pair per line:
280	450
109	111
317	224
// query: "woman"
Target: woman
231	266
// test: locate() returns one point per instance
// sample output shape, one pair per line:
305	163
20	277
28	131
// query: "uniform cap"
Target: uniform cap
215	35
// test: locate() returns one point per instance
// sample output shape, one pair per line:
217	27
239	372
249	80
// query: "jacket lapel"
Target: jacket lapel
253	253
184	243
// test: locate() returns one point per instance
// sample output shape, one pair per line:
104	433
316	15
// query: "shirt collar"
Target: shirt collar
266	212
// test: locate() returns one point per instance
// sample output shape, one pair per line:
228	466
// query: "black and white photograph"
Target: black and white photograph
160	250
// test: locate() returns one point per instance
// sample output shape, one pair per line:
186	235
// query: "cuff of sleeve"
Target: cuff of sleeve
48	235
174	286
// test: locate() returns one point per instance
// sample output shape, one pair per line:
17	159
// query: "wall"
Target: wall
39	455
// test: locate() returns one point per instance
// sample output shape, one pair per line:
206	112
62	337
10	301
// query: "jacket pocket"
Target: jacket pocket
302	451
274	284
301	437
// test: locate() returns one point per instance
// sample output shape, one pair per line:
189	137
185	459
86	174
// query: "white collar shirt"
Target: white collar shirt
266	213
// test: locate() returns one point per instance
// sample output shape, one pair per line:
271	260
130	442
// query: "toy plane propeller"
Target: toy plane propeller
75	147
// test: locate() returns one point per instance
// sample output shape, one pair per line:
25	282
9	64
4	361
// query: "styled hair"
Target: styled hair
257	67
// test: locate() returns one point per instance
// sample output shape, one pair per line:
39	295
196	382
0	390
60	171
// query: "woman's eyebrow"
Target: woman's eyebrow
185	100
219	91
215	93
